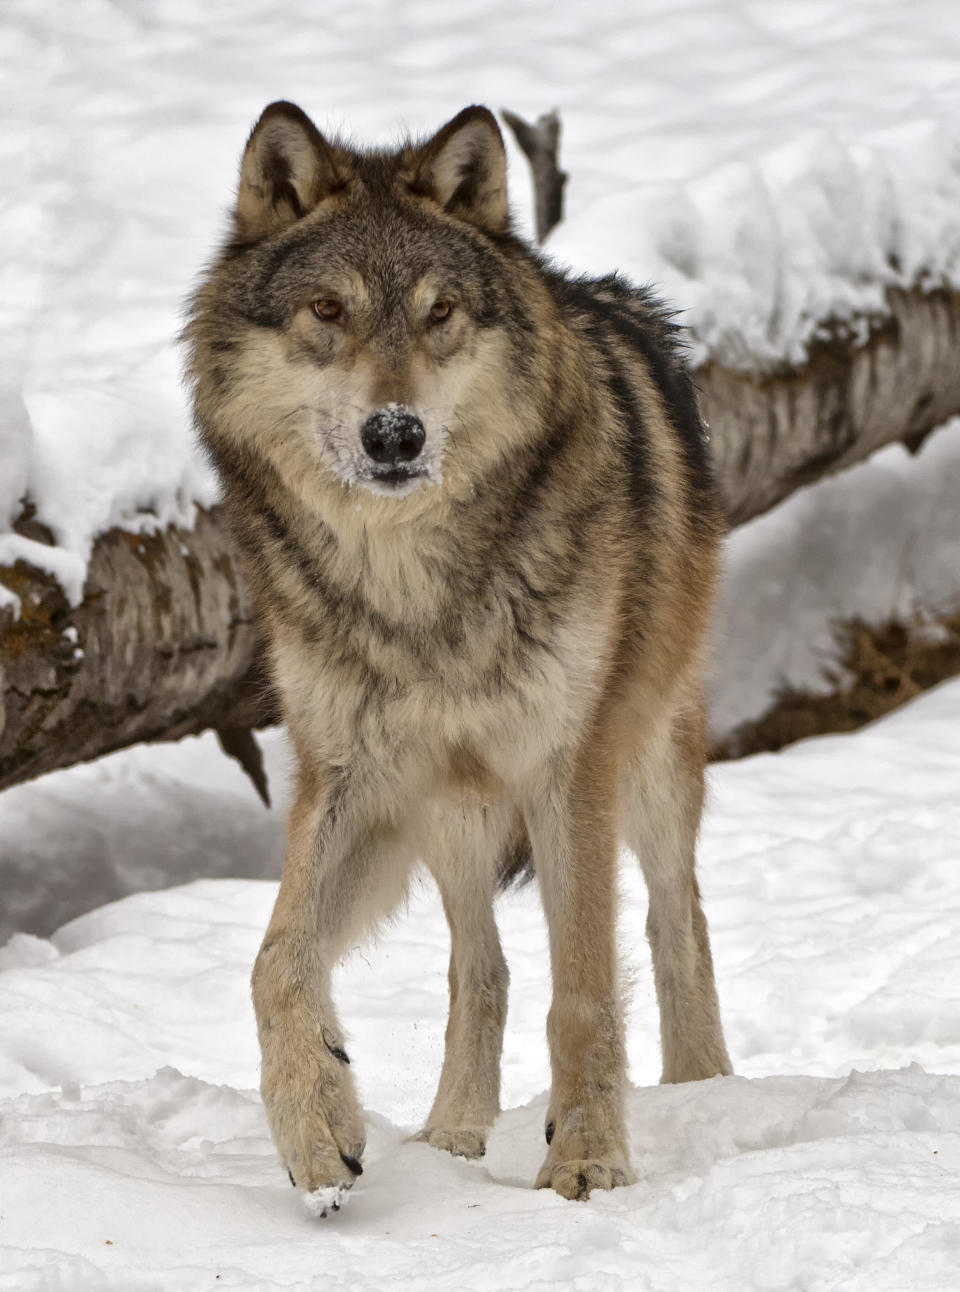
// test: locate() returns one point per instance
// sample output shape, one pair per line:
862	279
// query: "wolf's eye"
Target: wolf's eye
440	310
328	309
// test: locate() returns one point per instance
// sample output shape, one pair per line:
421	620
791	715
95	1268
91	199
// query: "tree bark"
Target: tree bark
163	645
540	143
775	431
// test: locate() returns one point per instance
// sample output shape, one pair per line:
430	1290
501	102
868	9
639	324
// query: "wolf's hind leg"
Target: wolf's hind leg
342	871
664	803
463	857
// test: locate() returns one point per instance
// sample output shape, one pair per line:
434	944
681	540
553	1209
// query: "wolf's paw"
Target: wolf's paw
461	1141
320	1201
578	1178
316	1125
579	1161
318	1166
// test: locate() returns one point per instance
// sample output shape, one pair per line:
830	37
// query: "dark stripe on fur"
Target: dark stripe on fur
340	605
638	318
521	484
515	866
643	492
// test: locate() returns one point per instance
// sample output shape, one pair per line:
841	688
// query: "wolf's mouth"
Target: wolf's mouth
396	476
396	481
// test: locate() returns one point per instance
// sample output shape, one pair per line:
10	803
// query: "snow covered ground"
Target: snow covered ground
133	1148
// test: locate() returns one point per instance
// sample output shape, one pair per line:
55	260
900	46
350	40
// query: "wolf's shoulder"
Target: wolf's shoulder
613	298
640	340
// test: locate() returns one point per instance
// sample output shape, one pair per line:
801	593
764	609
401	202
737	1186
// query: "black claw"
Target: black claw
352	1164
336	1206
323	1214
339	1052
290	1175
548	1132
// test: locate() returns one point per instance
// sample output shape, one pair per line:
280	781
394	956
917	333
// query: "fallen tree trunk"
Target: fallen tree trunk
164	643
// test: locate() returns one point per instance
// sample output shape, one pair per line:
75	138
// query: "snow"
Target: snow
762	249
133	1147
768	165
147	818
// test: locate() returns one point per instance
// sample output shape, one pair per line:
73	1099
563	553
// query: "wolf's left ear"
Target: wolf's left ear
463	168
287	168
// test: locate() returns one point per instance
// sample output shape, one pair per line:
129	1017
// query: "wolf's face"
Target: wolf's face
362	313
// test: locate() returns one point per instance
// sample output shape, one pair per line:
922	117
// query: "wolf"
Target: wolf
474	500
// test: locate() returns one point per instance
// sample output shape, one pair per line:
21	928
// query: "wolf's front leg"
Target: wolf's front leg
573	829
335	881
463	857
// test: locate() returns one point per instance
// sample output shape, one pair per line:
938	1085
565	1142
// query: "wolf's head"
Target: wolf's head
363	324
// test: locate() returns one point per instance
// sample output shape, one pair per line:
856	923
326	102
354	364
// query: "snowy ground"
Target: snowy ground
133	1149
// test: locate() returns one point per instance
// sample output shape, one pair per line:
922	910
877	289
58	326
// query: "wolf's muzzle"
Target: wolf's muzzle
392	436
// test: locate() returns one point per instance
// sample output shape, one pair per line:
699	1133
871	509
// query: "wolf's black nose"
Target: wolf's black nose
392	435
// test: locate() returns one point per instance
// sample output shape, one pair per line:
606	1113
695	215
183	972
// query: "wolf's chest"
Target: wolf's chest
488	676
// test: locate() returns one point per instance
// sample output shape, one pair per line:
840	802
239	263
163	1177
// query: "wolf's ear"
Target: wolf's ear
287	168
463	168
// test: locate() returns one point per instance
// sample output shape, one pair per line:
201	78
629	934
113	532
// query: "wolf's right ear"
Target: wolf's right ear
287	168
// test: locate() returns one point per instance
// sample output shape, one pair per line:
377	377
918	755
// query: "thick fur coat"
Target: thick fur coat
475	503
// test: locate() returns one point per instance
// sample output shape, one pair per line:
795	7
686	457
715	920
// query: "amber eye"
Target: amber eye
440	310
328	309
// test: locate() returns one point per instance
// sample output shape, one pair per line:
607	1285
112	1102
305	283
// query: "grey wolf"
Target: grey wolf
476	508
